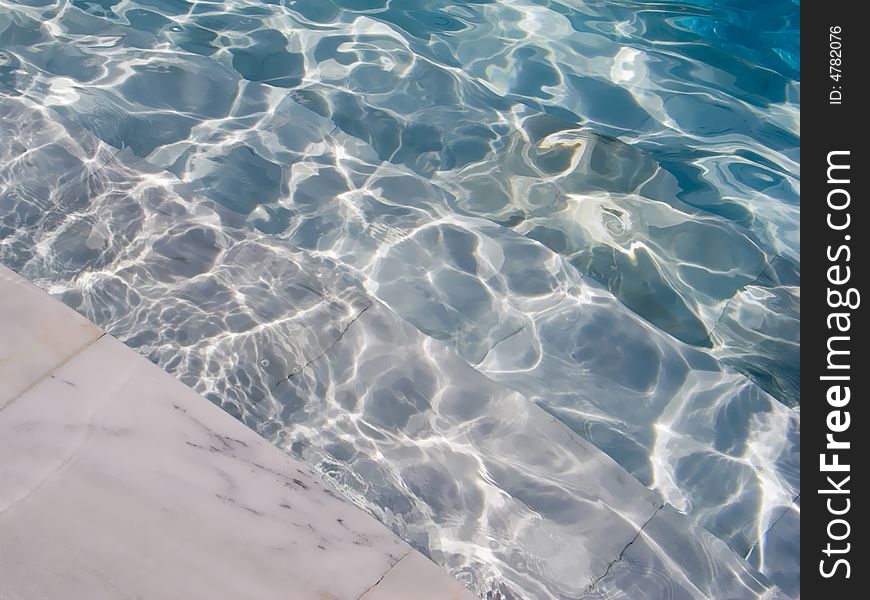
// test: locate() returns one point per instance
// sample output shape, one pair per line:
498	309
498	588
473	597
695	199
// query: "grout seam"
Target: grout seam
54	368
387	572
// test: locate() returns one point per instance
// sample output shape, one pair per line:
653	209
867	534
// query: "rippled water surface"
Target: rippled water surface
520	277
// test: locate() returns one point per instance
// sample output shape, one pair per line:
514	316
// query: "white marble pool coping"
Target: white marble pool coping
119	482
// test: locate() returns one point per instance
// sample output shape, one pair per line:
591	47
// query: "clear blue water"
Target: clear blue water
520	277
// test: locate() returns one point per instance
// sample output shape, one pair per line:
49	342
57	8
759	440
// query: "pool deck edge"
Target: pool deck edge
118	481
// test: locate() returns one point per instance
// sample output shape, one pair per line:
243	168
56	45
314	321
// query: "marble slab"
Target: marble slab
117	481
36	334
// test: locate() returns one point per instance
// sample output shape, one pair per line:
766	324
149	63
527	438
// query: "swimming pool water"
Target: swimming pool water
520	278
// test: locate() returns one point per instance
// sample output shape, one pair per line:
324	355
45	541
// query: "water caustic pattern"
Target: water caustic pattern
496	489
521	278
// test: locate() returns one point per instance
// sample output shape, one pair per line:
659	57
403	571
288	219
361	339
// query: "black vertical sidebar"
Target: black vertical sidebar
834	421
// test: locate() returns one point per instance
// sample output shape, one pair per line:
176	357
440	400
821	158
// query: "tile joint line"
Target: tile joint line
622	552
385	573
54	368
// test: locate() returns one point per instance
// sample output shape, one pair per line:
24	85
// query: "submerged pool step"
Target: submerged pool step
687	229
450	459
712	442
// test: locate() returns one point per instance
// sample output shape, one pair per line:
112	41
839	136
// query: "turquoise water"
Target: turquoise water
481	264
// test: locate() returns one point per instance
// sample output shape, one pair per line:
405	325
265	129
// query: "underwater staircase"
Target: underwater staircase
313	341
